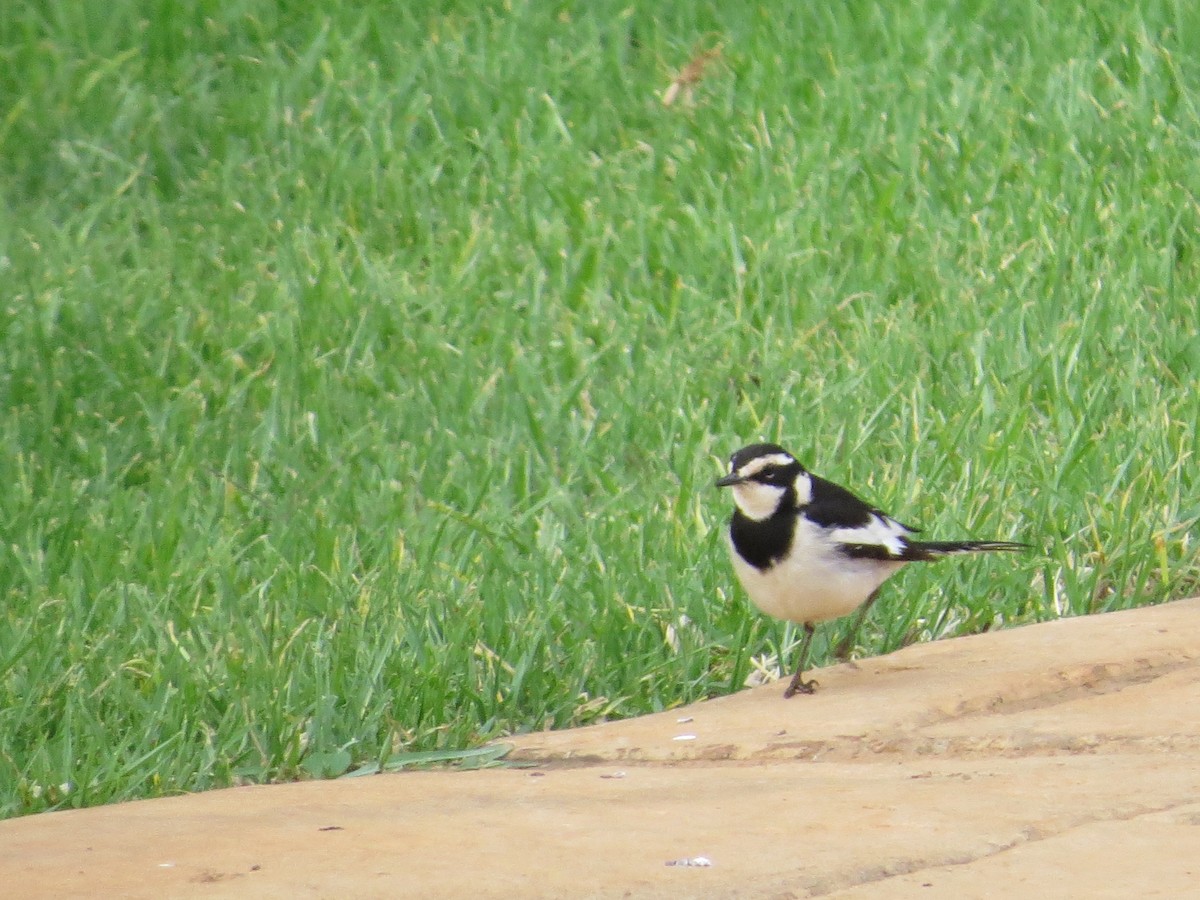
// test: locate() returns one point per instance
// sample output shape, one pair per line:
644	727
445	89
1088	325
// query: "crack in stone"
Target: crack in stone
1038	693
825	885
1064	686
852	749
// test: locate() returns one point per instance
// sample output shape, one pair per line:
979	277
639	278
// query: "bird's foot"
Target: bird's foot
800	686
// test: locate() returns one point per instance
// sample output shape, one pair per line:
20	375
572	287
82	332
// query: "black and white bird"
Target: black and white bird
807	550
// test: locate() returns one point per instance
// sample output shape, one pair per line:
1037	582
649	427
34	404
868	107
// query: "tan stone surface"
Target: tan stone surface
1055	760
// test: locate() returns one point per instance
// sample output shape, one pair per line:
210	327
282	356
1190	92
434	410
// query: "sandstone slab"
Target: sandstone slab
1061	758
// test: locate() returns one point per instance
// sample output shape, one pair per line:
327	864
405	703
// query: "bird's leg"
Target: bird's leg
846	644
799	685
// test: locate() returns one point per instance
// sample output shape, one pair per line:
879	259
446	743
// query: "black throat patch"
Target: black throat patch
765	543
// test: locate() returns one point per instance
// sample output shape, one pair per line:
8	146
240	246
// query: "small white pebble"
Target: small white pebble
695	862
683	720
684	737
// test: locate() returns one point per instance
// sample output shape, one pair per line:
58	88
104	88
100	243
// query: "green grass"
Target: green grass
365	371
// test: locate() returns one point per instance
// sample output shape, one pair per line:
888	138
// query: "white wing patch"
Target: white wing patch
880	531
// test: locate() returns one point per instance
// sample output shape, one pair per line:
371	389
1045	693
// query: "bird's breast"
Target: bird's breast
813	581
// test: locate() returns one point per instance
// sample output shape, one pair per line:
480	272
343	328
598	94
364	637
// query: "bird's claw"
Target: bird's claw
799	686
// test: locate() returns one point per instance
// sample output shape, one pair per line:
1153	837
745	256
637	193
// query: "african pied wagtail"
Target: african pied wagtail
808	550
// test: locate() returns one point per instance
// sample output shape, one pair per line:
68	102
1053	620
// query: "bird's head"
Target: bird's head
762	477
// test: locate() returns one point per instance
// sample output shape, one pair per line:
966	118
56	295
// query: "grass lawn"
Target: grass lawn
365	369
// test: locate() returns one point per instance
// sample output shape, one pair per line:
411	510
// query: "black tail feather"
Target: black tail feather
934	549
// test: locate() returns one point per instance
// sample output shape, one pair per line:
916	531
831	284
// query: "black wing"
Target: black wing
833	506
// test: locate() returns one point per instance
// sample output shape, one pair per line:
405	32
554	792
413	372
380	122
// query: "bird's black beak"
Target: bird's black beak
730	480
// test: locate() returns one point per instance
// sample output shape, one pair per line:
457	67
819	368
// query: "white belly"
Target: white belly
817	584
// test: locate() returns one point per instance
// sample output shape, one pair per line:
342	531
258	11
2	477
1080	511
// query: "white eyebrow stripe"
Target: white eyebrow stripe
878	532
756	465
